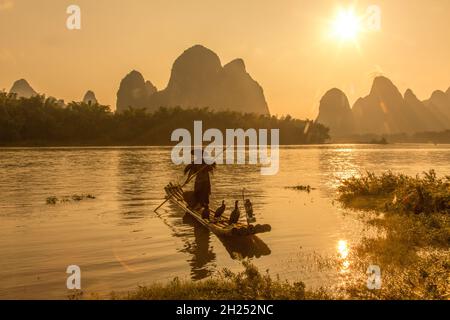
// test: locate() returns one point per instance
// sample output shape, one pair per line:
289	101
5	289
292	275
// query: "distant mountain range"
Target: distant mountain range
24	90
384	111
197	80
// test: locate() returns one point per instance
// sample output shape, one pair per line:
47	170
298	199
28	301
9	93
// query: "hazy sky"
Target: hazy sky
284	43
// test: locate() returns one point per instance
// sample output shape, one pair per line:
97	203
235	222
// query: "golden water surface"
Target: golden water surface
120	243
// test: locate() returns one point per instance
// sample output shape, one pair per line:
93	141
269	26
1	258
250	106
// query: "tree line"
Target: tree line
42	121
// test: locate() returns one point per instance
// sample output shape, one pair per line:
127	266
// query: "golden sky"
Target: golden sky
285	44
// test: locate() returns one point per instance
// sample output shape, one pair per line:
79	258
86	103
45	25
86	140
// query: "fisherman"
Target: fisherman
206	213
202	185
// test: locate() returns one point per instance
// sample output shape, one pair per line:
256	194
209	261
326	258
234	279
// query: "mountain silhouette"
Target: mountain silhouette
197	80
90	98
335	112
439	104
134	92
384	111
23	89
422	118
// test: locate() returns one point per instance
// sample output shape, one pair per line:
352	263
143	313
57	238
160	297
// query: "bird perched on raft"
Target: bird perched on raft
249	211
220	210
235	215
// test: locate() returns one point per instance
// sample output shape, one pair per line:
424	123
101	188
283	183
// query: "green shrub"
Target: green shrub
398	192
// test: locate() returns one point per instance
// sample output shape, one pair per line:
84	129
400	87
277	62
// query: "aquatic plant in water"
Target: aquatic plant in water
306	188
53	200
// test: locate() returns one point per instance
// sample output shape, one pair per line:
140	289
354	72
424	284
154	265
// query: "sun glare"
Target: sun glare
346	25
343	249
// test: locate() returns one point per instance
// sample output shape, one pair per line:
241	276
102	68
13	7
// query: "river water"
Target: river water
119	242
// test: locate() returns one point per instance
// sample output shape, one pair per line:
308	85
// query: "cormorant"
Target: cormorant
220	210
234	217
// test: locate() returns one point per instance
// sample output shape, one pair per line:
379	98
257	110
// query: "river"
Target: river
119	242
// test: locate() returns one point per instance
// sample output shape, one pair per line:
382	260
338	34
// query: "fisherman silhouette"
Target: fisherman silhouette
202	185
206	212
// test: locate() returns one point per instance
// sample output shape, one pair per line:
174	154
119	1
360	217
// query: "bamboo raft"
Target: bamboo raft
221	226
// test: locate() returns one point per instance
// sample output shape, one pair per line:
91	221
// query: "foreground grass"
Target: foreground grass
249	284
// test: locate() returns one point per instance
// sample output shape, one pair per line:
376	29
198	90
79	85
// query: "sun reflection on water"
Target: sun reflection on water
343	165
343	252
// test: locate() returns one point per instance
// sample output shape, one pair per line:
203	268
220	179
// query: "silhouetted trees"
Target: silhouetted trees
44	121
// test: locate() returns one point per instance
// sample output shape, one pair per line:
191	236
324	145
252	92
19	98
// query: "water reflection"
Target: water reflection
196	240
201	251
197	243
134	183
343	252
138	170
337	165
245	247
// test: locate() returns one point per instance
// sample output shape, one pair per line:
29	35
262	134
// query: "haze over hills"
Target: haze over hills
197	80
384	111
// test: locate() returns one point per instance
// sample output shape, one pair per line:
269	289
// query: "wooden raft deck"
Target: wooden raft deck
220	226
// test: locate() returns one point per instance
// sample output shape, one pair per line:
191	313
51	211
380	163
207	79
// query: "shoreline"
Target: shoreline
136	145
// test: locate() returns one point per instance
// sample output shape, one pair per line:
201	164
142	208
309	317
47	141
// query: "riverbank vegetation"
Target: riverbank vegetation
250	284
412	246
41	121
398	193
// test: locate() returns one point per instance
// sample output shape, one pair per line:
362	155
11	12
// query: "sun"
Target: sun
346	26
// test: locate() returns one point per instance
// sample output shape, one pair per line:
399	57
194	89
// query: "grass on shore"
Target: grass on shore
249	284
397	193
